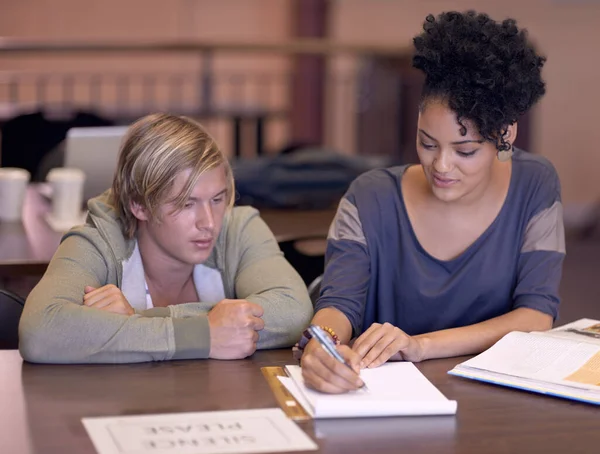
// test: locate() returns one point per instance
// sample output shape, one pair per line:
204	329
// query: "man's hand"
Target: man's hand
107	298
381	343
234	326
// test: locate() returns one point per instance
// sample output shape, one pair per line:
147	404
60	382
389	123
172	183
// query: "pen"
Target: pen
327	343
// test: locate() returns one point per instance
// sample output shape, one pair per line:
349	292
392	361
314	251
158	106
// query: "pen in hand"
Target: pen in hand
327	344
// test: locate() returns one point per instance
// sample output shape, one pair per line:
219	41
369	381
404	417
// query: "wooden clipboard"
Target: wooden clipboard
288	403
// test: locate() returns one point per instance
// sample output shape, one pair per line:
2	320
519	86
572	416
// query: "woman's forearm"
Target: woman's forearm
476	338
336	320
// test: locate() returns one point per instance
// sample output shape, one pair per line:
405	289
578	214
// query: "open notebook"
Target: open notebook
394	389
563	362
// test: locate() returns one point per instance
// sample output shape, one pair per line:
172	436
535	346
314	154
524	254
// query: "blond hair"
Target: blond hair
154	151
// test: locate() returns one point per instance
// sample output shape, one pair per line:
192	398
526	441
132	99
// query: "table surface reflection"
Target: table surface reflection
42	407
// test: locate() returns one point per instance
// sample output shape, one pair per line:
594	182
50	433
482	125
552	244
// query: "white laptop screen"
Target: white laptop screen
95	151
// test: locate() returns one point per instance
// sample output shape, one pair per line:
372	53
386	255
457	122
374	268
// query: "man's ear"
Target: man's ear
139	211
511	134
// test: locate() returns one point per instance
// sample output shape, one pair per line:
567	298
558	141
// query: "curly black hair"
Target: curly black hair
487	72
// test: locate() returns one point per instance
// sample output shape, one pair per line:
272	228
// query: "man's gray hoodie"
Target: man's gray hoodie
246	263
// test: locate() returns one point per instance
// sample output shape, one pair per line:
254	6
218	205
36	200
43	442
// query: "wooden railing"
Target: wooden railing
212	93
305	46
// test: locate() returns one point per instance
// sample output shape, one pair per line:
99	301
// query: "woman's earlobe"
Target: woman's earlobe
511	134
506	150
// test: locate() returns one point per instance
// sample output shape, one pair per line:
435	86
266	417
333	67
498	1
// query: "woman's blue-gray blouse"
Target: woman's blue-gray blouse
377	271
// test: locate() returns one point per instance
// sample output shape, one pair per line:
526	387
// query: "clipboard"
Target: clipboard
288	403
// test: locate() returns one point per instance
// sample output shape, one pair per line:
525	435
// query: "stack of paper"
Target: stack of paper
394	389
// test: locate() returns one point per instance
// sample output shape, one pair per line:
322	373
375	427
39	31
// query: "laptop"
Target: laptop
94	150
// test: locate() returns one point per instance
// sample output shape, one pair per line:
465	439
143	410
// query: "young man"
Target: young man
164	267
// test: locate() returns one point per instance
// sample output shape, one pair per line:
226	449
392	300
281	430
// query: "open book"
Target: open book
563	362
394	389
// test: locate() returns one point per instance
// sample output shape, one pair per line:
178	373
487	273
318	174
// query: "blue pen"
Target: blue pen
327	343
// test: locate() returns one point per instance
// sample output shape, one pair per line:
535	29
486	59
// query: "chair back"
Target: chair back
306	254
314	289
11	308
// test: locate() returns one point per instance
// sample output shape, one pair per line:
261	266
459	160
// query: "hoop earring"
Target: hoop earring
505	155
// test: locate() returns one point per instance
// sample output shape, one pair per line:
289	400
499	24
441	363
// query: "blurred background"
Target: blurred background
357	99
267	77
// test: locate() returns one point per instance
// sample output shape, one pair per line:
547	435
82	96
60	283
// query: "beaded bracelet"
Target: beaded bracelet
331	332
298	349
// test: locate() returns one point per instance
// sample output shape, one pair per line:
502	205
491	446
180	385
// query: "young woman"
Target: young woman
444	258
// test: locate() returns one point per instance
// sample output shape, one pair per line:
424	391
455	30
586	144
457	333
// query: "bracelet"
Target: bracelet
331	332
298	349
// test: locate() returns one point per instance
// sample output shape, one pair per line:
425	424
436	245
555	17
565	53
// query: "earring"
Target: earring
505	155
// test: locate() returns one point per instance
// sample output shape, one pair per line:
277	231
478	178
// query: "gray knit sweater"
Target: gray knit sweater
57	328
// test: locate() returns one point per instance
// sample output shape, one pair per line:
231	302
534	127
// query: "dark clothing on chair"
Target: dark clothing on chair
11	307
27	138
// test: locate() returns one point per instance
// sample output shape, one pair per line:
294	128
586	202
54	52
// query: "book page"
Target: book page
393	389
542	358
583	330
567	389
589	373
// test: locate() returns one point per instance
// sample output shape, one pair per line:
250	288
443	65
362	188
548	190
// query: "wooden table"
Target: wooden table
42	406
26	247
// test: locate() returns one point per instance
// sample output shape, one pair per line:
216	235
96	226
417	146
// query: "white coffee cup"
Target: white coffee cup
67	193
13	185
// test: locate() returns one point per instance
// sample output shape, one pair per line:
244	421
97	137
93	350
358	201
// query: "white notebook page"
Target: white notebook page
394	389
